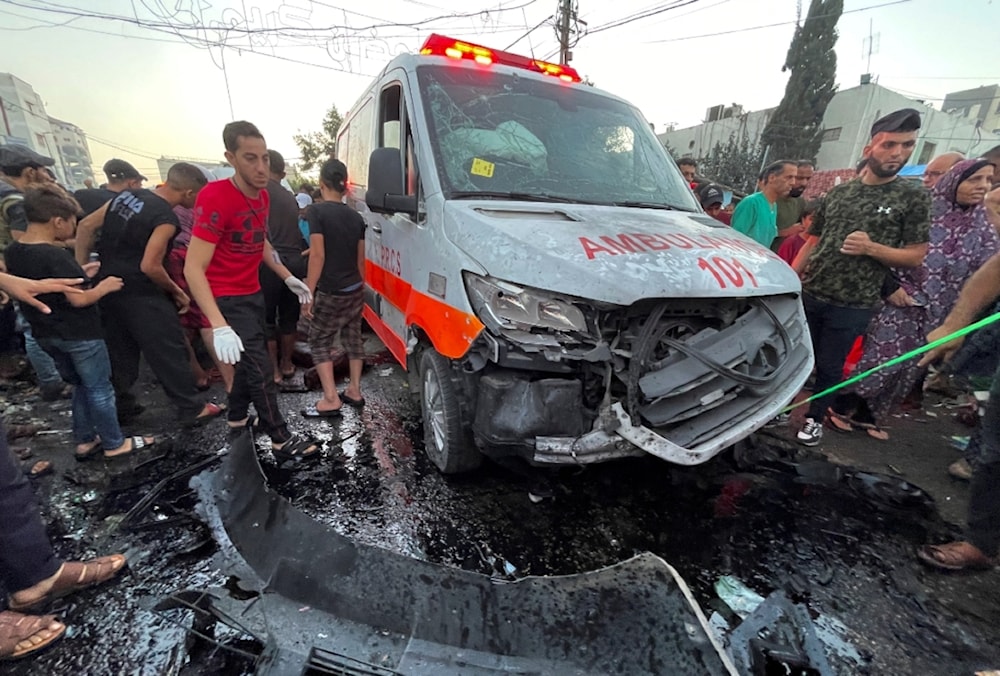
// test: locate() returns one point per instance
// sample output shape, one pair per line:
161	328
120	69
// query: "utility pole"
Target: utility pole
565	24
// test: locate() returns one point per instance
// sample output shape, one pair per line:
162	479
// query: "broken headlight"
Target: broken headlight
504	305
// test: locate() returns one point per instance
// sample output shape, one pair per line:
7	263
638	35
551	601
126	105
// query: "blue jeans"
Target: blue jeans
85	364
45	367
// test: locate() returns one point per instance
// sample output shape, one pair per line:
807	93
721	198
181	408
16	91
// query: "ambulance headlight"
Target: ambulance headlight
504	305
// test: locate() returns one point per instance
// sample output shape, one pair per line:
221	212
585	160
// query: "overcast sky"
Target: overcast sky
152	92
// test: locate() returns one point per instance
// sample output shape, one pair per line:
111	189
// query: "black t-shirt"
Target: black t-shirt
41	261
342	228
92	199
283	221
131	219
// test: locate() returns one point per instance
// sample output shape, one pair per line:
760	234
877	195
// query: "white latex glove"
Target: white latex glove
299	288
228	345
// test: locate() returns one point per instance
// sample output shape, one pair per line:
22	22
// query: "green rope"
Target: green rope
896	360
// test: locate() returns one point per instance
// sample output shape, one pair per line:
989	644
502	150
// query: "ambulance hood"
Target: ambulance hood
613	254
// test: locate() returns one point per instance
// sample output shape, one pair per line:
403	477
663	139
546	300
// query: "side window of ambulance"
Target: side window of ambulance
358	152
394	134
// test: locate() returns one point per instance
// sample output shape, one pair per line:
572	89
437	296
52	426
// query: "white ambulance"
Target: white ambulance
539	266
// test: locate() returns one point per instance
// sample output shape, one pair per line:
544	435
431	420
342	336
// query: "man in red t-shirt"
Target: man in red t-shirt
228	244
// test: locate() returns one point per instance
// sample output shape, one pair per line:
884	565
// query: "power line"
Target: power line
677	4
284	30
769	25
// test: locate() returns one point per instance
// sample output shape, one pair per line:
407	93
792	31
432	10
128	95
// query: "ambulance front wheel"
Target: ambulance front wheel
446	439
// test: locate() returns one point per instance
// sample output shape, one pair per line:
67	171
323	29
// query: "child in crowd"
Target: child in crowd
790	248
72	333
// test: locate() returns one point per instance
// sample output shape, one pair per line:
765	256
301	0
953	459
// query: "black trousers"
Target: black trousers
254	379
26	556
984	496
834	330
281	306
148	324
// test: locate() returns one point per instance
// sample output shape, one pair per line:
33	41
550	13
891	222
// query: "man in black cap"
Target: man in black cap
862	228
121	176
21	166
711	197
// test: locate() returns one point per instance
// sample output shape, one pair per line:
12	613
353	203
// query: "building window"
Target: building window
998	109
927	152
691	145
831	134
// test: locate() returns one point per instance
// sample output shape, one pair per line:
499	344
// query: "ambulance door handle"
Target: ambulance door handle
376	227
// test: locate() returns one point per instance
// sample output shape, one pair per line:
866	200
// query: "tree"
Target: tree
795	130
735	164
317	147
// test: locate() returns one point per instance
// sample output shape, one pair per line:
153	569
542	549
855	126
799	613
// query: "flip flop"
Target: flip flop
29	467
956	556
351	401
838	422
95	449
138	444
316	413
213	412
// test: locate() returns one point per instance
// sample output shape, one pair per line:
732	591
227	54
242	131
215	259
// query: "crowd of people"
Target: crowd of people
107	276
886	265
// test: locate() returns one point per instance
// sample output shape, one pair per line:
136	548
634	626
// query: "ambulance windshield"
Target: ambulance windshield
500	134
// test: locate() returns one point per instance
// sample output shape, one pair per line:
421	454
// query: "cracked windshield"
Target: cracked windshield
515	136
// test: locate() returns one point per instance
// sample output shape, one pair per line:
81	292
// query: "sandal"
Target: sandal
295	449
22	431
34	469
956	556
838	422
351	401
209	413
249	423
23	635
314	412
138	444
94	449
72	577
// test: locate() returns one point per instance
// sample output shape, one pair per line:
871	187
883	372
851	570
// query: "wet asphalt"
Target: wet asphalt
838	537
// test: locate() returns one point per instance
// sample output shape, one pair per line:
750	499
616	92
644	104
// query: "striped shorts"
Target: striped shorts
331	314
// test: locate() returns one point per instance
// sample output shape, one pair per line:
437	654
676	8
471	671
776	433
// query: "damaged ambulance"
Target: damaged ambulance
539	266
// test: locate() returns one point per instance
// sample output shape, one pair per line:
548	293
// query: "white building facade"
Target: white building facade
23	120
846	127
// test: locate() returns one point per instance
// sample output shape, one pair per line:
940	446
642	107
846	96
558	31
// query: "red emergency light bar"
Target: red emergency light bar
439	45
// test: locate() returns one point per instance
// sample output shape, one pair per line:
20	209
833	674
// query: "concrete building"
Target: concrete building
73	153
846	126
981	104
25	121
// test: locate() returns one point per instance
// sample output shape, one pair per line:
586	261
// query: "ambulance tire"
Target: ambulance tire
447	441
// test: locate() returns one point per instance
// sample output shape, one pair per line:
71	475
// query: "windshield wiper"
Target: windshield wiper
523	196
651	205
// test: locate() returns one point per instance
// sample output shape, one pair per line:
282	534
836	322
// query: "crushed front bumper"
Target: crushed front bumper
698	412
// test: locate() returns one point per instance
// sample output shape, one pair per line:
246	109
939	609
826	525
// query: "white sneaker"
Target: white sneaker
811	433
779	420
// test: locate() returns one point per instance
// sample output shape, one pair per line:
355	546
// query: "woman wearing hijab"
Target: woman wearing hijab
961	240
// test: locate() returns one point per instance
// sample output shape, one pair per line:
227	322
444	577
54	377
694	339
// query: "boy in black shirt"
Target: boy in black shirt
72	333
137	230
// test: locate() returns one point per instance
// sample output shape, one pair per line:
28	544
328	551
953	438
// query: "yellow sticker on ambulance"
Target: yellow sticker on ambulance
482	168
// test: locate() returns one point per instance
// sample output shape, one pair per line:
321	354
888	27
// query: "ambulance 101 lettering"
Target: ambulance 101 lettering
726	271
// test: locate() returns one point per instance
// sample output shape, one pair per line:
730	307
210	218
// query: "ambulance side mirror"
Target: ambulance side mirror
385	193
